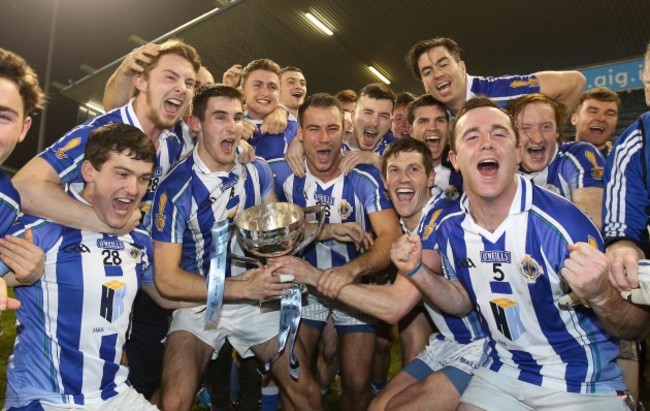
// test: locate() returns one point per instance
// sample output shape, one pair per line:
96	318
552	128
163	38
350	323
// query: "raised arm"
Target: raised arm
563	86
587	272
118	88
424	268
42	195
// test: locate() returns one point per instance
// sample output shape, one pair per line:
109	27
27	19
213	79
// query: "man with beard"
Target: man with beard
441	372
163	92
437	63
355	197
371	128
573	170
595	118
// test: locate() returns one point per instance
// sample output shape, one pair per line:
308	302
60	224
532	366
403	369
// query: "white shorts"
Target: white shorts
492	391
440	353
127	400
245	325
319	307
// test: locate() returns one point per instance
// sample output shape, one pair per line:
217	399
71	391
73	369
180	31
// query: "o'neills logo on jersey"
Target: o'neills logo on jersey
229	183
157	172
110	244
324	199
62	152
495	257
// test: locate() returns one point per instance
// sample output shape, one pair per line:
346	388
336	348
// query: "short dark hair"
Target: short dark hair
319	100
407	144
472	104
424	100
259	64
600	94
118	138
517	105
424	46
289	68
377	91
15	69
403	99
205	93
347	96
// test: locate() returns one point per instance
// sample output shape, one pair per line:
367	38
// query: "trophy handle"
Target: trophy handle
319	210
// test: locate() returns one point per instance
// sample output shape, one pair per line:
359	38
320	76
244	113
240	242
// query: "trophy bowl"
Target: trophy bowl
275	229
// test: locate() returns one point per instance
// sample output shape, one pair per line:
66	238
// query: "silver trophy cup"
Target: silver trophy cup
272	230
275	229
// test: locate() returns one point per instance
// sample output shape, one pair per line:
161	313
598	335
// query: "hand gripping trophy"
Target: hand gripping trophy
267	230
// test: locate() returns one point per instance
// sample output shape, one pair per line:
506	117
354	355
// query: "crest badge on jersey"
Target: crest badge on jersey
161	220
345	209
62	152
136	254
452	193
530	268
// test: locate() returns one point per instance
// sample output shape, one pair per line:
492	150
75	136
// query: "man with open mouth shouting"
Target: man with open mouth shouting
595	118
163	92
429	123
572	169
437	63
507	248
356	197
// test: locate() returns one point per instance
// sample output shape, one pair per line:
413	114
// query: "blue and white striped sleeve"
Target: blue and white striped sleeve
625	201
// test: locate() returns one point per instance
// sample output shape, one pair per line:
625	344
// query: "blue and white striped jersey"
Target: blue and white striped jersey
72	323
67	154
380	148
447	180
191	199
347	199
575	165
512	275
273	146
627	194
450	327
9	203
502	89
